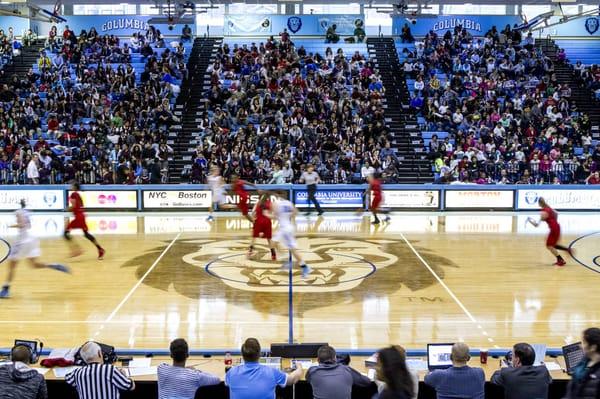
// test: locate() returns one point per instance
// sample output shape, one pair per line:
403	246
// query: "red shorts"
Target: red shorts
77	223
376	203
553	237
262	229
243	206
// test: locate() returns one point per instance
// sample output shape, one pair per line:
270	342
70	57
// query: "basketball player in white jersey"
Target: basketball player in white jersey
284	212
26	247
215	182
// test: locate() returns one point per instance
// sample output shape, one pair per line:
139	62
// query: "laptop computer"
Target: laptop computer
573	355
438	356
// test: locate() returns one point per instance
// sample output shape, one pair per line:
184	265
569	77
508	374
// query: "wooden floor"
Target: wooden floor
484	278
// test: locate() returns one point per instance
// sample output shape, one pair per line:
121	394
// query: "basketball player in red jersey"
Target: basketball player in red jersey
376	197
238	186
262	225
549	216
78	222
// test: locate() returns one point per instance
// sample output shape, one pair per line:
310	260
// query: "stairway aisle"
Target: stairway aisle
21	64
190	106
582	96
406	135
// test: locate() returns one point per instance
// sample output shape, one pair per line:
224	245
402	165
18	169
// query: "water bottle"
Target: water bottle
228	361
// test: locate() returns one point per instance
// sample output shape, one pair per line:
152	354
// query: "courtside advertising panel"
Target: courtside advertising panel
176	199
233	199
109	199
414	199
562	199
348	199
37	200
479	199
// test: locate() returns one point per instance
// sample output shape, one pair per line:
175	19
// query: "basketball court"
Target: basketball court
484	278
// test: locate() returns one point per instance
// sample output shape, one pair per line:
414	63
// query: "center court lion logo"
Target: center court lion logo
345	269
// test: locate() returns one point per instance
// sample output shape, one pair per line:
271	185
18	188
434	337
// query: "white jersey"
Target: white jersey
216	186
283	213
26	246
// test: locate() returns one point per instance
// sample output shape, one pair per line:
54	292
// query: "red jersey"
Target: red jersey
260	212
552	218
238	188
376	188
77	204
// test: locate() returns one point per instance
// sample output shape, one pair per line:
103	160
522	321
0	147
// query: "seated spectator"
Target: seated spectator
585	380
18	380
460	380
29	38
186	33
396	382
330	380
331	35
406	34
96	379
523	380
252	380
177	381
593	178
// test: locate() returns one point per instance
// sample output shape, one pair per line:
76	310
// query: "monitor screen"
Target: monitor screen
573	354
438	356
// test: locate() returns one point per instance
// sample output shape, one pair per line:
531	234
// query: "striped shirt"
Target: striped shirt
181	383
98	381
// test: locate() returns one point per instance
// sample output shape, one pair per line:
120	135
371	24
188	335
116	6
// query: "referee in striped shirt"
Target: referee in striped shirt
97	380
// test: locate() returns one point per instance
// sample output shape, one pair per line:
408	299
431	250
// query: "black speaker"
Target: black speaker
295	351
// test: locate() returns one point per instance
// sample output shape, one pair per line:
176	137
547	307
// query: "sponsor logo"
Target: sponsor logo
592	24
452	23
294	24
124	23
107	199
531	197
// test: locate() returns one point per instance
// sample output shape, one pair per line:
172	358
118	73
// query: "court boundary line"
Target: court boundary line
438	278
309	322
141	280
577	259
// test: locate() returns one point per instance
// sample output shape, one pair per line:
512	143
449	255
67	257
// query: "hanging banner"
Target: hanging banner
477	25
306	25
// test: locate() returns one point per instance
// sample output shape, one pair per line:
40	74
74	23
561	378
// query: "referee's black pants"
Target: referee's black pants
312	190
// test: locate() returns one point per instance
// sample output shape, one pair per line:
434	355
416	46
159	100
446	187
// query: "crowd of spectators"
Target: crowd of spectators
331	378
274	108
508	118
84	112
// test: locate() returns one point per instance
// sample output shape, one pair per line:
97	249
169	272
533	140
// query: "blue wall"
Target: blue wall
18	24
477	25
119	25
307	25
582	27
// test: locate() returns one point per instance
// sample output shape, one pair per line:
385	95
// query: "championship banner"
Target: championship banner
307	25
414	199
560	199
37	200
331	198
479	199
109	199
176	199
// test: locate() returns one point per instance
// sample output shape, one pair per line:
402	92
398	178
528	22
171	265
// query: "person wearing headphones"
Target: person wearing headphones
460	380
18	380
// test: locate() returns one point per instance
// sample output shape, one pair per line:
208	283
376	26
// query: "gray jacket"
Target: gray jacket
334	381
525	382
17	381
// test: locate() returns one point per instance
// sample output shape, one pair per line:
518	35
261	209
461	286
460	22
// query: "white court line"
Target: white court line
448	290
306	322
141	280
